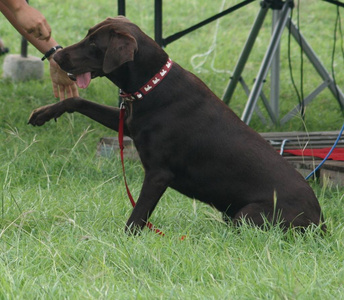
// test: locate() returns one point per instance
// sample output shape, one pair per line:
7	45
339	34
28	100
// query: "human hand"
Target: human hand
33	22
62	85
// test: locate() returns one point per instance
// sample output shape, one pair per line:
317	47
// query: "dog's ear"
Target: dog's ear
121	49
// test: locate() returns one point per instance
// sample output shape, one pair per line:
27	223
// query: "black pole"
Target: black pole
158	22
23	51
178	35
121	7
335	2
24	44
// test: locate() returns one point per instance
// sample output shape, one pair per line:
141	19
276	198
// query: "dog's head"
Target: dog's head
107	46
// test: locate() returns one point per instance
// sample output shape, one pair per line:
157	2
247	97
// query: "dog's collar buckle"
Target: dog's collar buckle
130	97
150	85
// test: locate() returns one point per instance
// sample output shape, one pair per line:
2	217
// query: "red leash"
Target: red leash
121	146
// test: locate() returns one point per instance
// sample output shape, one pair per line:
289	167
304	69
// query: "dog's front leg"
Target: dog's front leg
154	185
103	114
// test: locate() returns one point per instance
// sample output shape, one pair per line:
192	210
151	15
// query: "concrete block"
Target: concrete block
108	146
21	68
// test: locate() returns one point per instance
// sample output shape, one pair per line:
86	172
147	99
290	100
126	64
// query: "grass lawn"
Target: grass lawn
63	209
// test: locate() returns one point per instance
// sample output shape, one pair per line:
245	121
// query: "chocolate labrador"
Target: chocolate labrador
186	137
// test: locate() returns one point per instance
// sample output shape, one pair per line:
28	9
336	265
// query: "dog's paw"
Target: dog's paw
44	114
133	229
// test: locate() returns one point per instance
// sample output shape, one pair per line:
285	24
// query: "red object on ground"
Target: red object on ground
337	154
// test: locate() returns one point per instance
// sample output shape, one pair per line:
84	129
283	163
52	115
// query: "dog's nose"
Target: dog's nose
63	60
58	57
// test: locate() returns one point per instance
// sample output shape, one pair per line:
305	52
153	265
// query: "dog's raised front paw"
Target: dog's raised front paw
44	114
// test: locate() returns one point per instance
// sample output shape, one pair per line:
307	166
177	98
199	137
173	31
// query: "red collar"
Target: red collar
150	85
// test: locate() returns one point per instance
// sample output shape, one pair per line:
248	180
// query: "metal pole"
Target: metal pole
158	22
121	7
258	85
275	72
24	44
335	90
23	49
245	53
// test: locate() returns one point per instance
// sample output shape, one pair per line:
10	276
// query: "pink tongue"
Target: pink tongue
83	80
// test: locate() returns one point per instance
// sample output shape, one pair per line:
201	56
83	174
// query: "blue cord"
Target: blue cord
328	154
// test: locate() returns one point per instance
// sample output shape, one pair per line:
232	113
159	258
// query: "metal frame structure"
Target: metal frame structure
271	61
281	19
163	42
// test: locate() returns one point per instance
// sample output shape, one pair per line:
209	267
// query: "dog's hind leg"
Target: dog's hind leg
257	214
154	185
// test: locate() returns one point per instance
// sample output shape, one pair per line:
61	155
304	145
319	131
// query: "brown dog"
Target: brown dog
187	138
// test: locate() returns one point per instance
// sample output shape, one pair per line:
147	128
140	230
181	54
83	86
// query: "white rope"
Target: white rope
198	67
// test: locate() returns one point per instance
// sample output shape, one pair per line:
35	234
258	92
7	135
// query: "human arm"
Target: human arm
29	18
62	85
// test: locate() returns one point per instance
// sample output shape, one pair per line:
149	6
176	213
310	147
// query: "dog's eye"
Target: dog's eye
94	50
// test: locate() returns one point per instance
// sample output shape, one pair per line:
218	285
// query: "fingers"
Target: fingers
69	92
62	85
64	92
72	91
75	91
55	90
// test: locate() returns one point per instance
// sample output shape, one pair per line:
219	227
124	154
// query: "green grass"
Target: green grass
63	209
